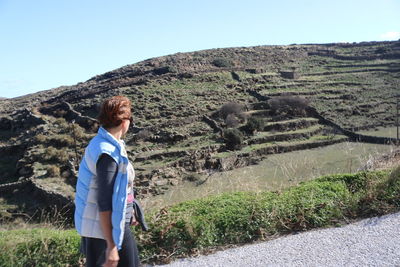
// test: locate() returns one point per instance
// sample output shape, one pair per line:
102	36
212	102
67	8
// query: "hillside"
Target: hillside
177	130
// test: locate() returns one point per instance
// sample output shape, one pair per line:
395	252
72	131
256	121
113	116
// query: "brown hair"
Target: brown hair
114	110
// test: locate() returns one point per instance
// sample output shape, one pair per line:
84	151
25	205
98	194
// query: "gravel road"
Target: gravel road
370	242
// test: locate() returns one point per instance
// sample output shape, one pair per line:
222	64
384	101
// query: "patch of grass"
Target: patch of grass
39	247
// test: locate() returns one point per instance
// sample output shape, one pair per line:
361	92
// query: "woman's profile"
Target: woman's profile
104	192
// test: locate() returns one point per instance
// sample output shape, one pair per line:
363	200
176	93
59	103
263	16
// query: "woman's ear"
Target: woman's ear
125	124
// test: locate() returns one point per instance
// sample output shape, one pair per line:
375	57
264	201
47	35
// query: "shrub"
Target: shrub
79	132
165	69
61	123
231	108
222	62
61	140
54	154
193	177
143	135
41	138
293	104
56	140
254	124
231	121
53	171
233	138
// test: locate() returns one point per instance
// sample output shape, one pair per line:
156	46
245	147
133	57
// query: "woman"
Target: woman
104	191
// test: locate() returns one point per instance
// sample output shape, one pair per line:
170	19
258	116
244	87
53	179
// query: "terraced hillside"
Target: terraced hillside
179	129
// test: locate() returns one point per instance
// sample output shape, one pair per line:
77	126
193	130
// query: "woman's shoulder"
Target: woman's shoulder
102	146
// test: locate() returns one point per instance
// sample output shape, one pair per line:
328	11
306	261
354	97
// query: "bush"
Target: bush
53	171
165	69
79	132
253	125
55	155
41	138
233	139
62	123
231	108
231	121
222	63
61	140
292	104
143	135
193	177
57	140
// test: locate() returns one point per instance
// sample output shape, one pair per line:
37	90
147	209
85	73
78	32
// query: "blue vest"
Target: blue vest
87	221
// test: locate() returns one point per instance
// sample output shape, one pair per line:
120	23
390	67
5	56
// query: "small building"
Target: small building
290	74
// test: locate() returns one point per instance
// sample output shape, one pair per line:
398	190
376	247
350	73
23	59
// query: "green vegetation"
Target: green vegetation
189	227
39	247
222	62
55	155
254	124
233	138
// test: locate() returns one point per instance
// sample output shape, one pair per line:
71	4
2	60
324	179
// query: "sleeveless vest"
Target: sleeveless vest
87	221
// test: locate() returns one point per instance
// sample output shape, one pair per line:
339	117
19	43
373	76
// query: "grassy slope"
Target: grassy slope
352	92
194	226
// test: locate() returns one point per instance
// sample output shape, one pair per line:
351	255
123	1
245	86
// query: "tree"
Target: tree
231	108
222	62
233	139
253	125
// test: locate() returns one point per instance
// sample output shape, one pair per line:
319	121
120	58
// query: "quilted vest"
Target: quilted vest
87	221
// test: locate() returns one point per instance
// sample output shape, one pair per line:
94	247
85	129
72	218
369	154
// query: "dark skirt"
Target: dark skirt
95	250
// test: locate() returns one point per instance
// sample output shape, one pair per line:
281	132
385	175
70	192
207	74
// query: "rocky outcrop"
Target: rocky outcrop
53	198
23	119
213	124
70	114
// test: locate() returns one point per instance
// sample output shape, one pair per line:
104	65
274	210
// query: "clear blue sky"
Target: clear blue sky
49	43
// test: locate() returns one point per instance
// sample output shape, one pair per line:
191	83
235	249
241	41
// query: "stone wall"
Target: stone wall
355	137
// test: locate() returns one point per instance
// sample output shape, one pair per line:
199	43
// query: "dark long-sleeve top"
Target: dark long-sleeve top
107	169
